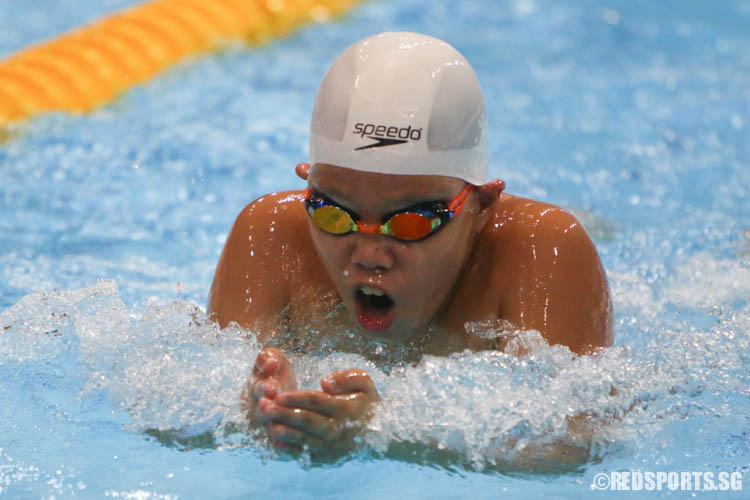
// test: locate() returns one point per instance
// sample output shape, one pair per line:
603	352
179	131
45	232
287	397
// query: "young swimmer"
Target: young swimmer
400	225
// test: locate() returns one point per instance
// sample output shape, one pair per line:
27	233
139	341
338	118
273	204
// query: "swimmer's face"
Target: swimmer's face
414	278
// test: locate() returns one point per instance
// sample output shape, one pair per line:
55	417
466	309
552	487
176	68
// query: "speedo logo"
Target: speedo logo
385	135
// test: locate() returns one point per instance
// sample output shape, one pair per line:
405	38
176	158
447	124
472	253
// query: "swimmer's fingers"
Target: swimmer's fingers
350	406
263	388
285	434
268	362
348	394
286	447
307	421
262	412
350	381
354	390
316	401
272	365
293	440
256	394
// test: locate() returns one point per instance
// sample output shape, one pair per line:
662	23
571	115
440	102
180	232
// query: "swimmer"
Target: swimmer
399	228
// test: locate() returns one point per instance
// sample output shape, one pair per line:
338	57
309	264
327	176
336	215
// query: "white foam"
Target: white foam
704	281
172	370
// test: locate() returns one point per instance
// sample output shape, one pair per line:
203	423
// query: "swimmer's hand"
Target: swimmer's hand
322	422
272	374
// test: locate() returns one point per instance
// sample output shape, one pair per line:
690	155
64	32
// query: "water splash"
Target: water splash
179	378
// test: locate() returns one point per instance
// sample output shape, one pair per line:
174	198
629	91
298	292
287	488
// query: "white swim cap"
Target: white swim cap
401	103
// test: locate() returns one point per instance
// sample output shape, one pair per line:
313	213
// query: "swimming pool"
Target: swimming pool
633	114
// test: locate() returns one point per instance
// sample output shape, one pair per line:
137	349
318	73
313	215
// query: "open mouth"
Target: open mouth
374	309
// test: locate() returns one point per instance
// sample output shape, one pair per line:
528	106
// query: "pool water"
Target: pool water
633	114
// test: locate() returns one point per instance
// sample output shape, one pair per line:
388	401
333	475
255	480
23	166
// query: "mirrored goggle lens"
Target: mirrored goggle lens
332	220
409	226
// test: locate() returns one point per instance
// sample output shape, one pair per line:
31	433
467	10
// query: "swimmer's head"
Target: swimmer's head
401	103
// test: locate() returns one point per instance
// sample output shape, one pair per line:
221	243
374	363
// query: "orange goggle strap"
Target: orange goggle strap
454	209
458	203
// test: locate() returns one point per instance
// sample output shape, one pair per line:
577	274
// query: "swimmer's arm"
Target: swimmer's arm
561	285
250	285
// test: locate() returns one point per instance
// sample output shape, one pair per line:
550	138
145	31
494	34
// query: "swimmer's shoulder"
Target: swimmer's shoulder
519	241
276	218
517	221
544	250
261	261
275	228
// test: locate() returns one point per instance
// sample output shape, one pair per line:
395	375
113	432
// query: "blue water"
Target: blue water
633	114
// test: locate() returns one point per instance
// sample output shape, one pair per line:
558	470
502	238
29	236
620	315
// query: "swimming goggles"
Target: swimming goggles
408	224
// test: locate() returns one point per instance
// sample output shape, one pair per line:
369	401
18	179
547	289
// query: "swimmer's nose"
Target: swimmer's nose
371	252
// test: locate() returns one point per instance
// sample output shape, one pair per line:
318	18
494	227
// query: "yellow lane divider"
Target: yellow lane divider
89	66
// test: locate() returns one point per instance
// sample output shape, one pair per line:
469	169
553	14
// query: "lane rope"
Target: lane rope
89	66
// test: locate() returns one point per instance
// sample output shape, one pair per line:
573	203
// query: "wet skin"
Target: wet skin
502	258
324	422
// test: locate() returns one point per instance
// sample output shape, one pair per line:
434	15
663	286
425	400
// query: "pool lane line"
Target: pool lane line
91	65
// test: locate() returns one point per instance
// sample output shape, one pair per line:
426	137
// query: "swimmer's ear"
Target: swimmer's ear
302	170
489	193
